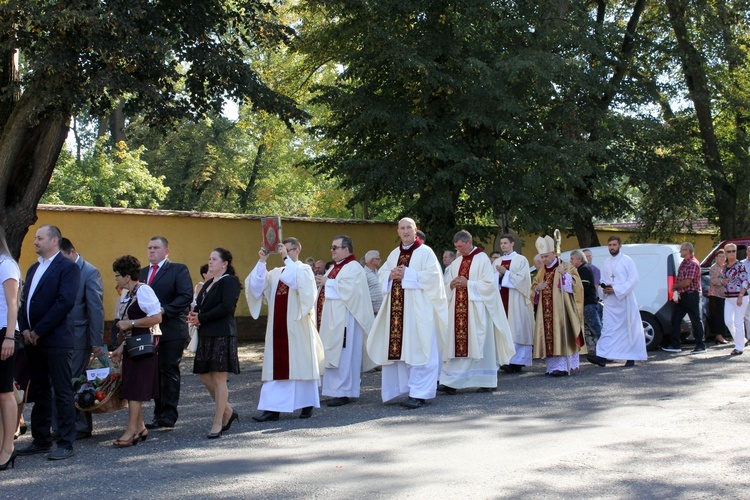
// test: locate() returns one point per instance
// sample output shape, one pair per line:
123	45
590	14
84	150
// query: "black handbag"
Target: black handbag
140	346
137	346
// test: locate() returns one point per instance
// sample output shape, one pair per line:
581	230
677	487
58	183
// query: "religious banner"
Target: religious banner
271	229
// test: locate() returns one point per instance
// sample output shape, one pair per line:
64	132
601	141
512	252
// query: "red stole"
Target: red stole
545	298
322	294
395	340
280	332
461	311
504	290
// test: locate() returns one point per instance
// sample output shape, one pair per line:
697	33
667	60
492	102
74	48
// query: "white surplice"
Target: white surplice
622	330
490	342
424	321
304	344
347	315
520	307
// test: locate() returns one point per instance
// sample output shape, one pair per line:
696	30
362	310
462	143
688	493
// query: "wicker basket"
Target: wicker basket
112	401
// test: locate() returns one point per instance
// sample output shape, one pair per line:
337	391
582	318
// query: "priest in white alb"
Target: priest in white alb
293	352
404	336
345	315
622	329
478	335
515	291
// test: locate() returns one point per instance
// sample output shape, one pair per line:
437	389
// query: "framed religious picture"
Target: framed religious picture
271	228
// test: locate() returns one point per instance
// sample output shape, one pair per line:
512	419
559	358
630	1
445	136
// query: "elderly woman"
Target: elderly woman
716	298
735	283
10	276
140	377
217	336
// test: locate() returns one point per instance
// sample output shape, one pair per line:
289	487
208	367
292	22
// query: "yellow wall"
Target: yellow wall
102	234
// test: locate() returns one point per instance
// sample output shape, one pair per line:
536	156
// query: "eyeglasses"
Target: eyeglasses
334	248
730	251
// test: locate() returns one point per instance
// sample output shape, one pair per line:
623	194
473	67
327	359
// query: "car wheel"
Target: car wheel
652	331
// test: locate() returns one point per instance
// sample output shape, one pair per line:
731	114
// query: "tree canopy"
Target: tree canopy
164	61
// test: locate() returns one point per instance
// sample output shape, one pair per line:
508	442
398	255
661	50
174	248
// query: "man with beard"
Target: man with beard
622	331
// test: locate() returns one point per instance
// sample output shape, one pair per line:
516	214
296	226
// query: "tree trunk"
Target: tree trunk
29	147
584	229
697	84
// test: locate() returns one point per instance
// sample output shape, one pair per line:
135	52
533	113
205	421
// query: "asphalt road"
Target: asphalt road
673	427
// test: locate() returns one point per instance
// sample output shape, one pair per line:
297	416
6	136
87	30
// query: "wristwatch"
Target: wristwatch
132	323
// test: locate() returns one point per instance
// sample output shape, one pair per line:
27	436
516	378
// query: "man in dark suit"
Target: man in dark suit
174	289
48	296
87	324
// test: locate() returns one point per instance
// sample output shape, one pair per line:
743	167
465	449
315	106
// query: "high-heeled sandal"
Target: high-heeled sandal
735	352
124	443
143	434
235	416
11	461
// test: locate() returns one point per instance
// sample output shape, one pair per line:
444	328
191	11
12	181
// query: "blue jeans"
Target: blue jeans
593	323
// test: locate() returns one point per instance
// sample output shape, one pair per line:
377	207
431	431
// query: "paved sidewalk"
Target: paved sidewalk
674	427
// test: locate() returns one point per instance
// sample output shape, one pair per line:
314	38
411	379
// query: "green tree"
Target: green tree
117	178
166	60
477	111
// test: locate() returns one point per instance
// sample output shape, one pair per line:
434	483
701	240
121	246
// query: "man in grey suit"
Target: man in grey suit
86	321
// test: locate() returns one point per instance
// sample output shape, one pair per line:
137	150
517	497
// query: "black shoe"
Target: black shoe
235	416
82	435
441	388
306	412
165	422
507	369
413	403
559	373
629	363
338	401
486	389
448	390
61	454
516	368
34	448
597	360
11	461
154	424
267	416
214	435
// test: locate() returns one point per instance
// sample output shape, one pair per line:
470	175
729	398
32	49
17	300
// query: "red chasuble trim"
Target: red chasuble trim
322	294
280	333
504	290
395	340
461	310
545	297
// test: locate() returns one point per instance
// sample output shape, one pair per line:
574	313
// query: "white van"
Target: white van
657	266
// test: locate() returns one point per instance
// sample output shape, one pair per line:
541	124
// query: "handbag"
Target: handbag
193	345
140	346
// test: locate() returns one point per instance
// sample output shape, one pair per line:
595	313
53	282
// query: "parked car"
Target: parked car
657	266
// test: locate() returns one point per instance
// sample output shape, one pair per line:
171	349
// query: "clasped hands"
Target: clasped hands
459	282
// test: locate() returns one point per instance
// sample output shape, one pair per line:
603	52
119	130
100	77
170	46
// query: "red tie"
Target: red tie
154	268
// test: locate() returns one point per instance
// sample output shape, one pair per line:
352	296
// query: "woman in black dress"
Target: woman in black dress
217	336
140	377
